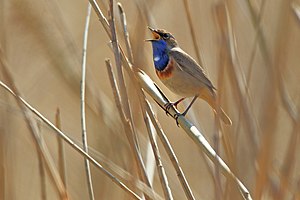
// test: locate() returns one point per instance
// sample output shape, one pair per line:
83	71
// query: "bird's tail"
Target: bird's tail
210	97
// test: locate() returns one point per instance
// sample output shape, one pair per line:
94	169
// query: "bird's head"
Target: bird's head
162	37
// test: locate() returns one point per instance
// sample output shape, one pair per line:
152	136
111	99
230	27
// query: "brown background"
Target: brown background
42	42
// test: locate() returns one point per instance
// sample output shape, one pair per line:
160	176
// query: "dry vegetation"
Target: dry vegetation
249	49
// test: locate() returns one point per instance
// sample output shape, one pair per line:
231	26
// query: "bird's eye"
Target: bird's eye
165	35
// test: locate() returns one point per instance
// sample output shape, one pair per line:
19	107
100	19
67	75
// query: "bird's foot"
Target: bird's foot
176	118
170	104
178	115
167	108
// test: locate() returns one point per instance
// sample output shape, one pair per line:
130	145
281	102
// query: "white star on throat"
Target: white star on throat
156	58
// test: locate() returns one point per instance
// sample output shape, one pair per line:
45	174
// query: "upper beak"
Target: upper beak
156	36
151	29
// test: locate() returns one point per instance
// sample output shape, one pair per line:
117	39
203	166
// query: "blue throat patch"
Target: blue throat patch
160	54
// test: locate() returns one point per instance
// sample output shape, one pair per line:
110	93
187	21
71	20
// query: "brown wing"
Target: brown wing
189	65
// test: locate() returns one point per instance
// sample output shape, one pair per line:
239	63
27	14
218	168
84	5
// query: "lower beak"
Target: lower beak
150	40
156	36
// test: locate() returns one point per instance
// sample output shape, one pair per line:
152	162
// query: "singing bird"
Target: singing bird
181	73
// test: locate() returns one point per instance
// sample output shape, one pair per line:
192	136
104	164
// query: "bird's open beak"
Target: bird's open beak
156	36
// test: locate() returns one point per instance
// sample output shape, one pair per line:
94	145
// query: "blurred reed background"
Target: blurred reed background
249	49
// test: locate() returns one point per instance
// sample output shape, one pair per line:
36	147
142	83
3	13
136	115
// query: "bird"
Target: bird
181	73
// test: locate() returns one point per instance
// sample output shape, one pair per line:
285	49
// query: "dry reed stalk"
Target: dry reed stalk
144	8
70	142
289	106
61	150
217	129
238	83
170	152
148	123
285	98
123	174
251	66
108	30
202	64
42	171
289	163
3	145
126	115
127	125
197	49
59	20
224	25
82	103
272	67
160	168
280	63
296	9
130	57
33	128
151	132
125	32
254	48
121	81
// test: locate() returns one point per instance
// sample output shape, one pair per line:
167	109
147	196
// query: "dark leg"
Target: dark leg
187	109
174	104
168	105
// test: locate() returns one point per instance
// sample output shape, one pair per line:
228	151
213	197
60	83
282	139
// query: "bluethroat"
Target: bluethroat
181	73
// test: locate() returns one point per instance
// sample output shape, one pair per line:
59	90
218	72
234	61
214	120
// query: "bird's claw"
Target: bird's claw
168	106
176	118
